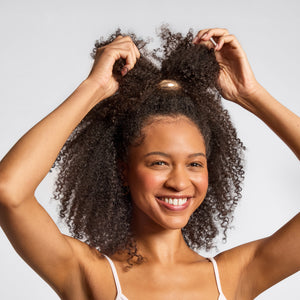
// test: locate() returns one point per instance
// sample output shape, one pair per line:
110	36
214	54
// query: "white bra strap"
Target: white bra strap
116	278
216	274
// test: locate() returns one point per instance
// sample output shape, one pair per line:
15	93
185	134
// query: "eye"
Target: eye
158	163
196	165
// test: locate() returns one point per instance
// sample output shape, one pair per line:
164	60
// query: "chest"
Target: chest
196	281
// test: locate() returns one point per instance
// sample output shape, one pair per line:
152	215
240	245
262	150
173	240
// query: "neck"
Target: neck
158	244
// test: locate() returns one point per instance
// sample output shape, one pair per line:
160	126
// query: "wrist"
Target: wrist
252	100
94	91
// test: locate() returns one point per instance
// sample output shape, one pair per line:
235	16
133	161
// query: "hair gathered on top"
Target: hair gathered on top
178	52
94	201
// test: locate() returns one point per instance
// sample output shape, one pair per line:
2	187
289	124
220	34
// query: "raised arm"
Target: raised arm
276	257
238	84
27	225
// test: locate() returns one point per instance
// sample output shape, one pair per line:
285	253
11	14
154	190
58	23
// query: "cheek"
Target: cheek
201	182
144	180
204	182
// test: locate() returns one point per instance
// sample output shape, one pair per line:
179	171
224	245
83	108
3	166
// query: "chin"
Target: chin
174	224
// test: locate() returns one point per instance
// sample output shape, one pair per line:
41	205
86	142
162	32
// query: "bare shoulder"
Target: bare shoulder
79	247
87	256
239	257
94	279
256	266
234	267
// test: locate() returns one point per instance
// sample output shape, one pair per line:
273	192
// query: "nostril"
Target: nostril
177	181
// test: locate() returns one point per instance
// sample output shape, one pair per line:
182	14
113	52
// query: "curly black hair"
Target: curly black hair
93	199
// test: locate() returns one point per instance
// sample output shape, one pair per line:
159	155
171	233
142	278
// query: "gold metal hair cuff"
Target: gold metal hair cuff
168	84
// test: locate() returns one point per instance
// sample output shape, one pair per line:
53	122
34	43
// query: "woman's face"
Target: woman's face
167	174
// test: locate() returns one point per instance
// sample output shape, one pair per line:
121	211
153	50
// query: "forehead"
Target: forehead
168	123
170	134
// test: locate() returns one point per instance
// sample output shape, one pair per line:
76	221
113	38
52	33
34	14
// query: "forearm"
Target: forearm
31	158
281	120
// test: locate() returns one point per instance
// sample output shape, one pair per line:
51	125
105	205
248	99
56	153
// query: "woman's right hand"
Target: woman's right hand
102	70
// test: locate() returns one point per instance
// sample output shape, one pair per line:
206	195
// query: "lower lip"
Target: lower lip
174	207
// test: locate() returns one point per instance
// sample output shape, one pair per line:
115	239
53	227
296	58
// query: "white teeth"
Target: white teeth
180	201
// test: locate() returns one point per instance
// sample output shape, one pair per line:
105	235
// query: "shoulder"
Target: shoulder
86	255
258	265
79	248
234	268
239	257
92	269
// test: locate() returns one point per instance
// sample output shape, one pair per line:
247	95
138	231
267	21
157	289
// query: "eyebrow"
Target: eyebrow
168	155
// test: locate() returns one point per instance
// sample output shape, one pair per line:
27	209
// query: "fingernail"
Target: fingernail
124	71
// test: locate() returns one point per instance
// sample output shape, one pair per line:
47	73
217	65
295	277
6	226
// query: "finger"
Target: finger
137	52
214	32
133	53
211	43
121	41
123	50
227	39
206	34
122	47
208	43
130	58
124	71
199	35
127	41
118	38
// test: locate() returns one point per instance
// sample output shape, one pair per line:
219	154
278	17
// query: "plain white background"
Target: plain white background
44	55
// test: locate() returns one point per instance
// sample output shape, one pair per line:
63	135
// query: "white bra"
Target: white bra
120	296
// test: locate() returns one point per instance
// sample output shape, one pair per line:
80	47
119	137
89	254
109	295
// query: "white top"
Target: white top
221	295
120	296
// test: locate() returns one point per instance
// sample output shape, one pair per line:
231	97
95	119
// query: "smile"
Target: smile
174	201
174	204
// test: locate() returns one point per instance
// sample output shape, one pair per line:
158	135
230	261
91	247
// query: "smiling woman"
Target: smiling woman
167	173
150	169
108	138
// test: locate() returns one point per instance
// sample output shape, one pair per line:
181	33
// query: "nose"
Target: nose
178	179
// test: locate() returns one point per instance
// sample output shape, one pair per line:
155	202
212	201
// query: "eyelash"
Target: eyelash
160	163
196	164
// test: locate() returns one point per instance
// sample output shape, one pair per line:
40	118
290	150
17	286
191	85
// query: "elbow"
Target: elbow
9	193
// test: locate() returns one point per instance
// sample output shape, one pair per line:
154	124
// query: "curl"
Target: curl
94	201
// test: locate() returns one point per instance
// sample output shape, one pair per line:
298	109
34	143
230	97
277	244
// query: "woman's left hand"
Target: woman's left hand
236	78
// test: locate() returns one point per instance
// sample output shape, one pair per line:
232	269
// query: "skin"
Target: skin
172	271
167	165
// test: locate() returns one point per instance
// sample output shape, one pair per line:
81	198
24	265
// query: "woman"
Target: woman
167	164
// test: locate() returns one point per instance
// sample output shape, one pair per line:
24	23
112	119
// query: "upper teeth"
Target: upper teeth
174	201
